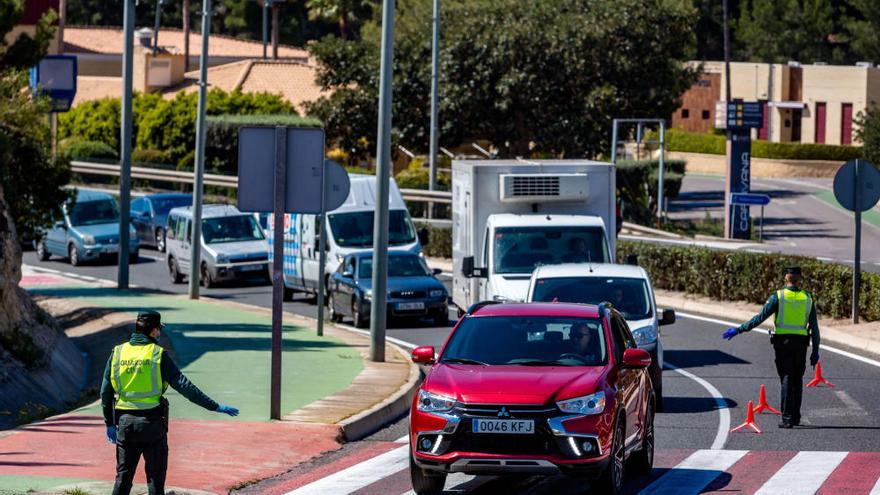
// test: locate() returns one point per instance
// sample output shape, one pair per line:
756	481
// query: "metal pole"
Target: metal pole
278	234
156	23
614	142
383	164
435	84
266	4
660	204
186	25
857	262
276	7
761	231
125	145
726	51
196	251
322	256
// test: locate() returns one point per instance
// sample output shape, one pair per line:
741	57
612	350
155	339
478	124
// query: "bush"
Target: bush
637	186
440	245
752	277
868	132
150	156
89	150
714	144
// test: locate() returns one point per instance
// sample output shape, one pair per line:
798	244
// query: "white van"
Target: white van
349	230
233	245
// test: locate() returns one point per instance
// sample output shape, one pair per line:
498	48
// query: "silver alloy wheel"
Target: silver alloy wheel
73	253
160	240
618	457
649	437
42	254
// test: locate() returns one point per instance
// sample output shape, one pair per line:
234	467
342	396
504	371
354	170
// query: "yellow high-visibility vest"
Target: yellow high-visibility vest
793	312
136	376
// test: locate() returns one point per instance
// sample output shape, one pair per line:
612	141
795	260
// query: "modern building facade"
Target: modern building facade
802	103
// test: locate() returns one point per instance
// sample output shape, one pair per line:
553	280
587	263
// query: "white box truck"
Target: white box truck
509	216
349	230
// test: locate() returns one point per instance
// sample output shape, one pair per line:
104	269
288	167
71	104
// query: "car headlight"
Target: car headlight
430	403
588	404
438	293
88	239
222	258
368	295
645	335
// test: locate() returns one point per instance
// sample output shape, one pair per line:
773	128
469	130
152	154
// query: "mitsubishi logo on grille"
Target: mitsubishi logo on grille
503	413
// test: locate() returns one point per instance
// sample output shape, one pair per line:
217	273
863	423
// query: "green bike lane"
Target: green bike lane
224	349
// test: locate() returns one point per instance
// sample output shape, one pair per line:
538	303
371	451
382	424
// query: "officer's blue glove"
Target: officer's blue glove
814	358
111	434
227	410
730	333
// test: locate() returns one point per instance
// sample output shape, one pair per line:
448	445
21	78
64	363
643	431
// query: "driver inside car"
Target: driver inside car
584	343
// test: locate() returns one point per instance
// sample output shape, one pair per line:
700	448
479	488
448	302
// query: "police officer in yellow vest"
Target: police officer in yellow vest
795	325
135	412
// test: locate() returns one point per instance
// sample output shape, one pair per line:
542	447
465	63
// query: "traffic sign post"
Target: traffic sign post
335	192
738	118
749	199
281	170
857	188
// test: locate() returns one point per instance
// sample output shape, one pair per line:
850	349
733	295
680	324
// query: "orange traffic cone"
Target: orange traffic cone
819	378
762	403
750	421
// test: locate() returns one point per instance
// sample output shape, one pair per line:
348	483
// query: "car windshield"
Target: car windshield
237	228
163	205
398	266
94	212
521	249
356	229
630	296
528	341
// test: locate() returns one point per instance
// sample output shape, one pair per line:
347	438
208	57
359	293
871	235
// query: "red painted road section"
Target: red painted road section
858	473
205	455
750	472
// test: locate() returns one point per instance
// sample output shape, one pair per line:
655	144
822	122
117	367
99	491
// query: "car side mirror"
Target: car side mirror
436	271
469	270
347	275
636	358
667	316
424	355
424	236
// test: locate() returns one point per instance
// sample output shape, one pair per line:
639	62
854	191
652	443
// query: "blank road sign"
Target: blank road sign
256	169
868	184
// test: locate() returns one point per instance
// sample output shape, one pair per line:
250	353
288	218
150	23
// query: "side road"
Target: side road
330	391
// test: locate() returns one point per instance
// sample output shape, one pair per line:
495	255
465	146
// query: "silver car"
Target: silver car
233	245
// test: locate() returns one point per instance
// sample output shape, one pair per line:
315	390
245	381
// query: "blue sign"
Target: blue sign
749	199
55	76
739	181
745	115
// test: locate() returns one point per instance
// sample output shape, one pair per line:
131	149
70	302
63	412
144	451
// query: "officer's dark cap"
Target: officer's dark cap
148	320
793	270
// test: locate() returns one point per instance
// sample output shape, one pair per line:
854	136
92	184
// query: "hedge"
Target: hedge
714	144
88	150
637	186
440	245
743	276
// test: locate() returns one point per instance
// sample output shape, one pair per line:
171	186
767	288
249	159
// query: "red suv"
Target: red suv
533	389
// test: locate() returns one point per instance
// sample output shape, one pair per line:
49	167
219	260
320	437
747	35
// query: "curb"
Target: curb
373	419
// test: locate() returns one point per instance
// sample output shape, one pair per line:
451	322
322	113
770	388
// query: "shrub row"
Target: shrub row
440	245
637	186
752	277
714	144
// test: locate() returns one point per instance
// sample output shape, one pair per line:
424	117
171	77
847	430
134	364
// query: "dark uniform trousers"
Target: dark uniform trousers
141	434
791	363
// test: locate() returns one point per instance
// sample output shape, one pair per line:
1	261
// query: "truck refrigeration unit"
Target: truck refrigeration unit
509	216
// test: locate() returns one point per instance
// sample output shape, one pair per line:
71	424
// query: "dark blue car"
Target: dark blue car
413	292
148	215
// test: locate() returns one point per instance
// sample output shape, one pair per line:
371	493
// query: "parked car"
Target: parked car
88	230
233	245
149	215
628	288
534	389
413	291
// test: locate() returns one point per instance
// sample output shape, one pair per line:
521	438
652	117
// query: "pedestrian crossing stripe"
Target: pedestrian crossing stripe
675	472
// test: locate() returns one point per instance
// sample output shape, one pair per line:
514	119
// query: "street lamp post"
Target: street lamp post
435	83
125	144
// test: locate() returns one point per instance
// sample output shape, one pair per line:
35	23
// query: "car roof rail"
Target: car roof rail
478	305
603	310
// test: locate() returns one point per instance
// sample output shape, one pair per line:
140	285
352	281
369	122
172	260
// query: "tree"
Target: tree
868	133
540	78
863	28
342	12
782	30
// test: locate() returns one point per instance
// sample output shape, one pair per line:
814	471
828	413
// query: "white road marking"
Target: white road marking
360	475
876	489
723	411
39	269
403	439
694	473
803	474
822	258
367	332
825	347
850	402
454	482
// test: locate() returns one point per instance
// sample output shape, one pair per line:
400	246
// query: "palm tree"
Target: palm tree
341	11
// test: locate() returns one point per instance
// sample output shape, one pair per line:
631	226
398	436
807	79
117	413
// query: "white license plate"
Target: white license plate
249	268
515	426
110	249
409	306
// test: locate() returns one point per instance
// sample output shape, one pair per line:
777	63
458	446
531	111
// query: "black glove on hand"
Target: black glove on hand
814	358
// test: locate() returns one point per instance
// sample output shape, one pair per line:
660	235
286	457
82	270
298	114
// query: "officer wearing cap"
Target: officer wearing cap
795	325
135	411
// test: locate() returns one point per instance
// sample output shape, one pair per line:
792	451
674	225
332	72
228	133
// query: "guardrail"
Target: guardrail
178	176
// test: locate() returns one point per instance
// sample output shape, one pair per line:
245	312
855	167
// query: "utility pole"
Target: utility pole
435	83
383	164
276	8
156	23
266	4
726	52
125	145
186	25
196	250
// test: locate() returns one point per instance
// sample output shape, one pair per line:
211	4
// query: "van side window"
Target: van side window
181	229
189	231
138	205
172	225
